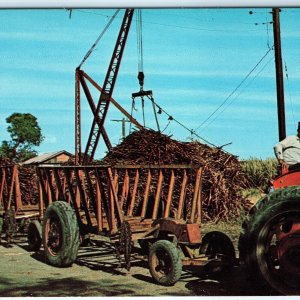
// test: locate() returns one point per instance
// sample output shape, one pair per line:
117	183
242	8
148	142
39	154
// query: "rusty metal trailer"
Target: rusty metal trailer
157	208
14	212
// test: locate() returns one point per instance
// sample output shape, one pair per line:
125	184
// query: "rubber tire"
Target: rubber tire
68	251
175	262
216	242
280	201
34	235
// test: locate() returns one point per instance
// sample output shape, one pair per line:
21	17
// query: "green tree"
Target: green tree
25	134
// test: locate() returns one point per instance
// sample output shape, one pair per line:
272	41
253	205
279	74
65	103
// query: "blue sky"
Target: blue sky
193	61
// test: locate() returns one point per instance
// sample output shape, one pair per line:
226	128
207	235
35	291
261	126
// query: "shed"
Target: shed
49	158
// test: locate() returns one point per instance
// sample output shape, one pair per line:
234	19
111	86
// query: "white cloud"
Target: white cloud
50	139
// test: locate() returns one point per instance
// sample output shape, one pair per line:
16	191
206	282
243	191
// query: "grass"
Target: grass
259	172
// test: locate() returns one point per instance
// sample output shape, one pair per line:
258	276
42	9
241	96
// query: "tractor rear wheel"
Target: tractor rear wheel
164	263
34	235
60	234
269	243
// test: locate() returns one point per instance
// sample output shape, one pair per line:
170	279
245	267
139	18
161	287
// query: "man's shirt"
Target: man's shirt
288	150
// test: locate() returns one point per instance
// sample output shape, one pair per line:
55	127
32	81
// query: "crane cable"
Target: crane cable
98	39
191	131
141	75
139	40
139	33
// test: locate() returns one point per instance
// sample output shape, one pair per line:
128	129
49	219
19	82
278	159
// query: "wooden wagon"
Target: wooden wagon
157	207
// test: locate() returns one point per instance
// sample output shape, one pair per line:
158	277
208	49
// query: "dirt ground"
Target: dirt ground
96	273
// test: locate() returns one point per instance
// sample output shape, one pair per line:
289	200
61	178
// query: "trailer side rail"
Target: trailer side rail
104	196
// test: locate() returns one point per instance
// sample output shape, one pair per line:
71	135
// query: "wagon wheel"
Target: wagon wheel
270	242
34	235
124	245
217	245
164	263
60	234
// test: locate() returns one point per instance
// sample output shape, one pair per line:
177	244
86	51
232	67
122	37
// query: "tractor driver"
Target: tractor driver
287	151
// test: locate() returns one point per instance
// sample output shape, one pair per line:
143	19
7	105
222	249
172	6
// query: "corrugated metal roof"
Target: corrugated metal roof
45	157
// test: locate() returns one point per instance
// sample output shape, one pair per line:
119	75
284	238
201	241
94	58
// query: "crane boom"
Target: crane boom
108	87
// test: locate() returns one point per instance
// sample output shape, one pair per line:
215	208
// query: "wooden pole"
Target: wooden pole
279	74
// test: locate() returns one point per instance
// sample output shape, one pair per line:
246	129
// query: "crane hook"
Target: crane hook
141	77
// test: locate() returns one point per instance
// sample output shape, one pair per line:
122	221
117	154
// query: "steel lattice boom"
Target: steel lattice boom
108	86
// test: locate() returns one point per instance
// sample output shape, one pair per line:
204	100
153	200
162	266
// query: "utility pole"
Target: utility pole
123	127
279	75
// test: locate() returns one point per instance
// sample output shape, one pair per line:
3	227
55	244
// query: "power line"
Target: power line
289	91
178	26
228	104
198	18
267	27
238	86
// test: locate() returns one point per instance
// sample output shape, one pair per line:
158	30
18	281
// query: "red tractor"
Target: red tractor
269	243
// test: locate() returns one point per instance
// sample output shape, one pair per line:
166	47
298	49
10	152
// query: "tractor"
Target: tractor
269	243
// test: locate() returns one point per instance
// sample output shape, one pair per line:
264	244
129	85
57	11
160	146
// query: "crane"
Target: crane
101	109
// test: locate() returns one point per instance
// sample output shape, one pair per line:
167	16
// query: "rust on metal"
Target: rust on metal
41	202
182	194
199	202
108	87
81	78
125	189
83	201
59	190
200	262
77	119
196	194
106	195
158	192
136	181
146	195
94	110
10	194
193	233
185	233
170	193
113	101
98	208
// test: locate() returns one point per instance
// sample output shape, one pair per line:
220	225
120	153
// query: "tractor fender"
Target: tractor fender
292	178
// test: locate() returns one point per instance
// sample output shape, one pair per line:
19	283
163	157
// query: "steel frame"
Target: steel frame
108	87
82	80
